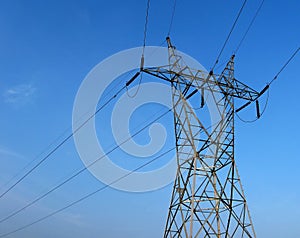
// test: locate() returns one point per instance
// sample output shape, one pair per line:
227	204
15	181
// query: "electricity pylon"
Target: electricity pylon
207	199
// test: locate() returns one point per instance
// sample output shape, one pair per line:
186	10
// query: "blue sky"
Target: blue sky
48	47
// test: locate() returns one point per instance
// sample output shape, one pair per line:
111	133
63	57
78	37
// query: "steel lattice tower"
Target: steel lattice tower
207	199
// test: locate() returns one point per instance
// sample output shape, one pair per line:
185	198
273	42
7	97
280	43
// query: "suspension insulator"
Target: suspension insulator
202	98
191	94
132	79
264	90
257	109
242	107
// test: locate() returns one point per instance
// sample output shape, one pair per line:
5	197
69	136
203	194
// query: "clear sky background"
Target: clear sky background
48	47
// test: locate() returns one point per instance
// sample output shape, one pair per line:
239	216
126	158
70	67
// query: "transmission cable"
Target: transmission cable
85	168
79	172
249	26
13	177
172	17
146	26
228	36
143	52
62	142
85	122
283	67
88	195
47	148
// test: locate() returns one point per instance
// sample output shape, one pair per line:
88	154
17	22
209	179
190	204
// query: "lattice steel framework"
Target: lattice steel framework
207	199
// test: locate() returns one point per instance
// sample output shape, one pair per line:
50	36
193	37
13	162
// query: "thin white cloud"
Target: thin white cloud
75	219
20	94
7	152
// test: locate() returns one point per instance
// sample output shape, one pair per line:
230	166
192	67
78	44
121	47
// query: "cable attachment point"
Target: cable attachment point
170	46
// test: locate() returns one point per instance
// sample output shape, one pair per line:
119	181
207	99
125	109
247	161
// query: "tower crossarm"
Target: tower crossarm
239	90
198	79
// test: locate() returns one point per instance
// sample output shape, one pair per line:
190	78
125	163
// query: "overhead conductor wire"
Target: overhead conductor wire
52	144
284	66
143	52
84	123
172	17
60	144
84	168
249	27
80	171
86	196
90	194
246	32
229	34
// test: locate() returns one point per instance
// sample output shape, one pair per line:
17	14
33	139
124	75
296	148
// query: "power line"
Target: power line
35	158
143	51
146	26
250	25
228	36
79	172
283	67
172	17
75	175
87	196
60	144
83	169
55	140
